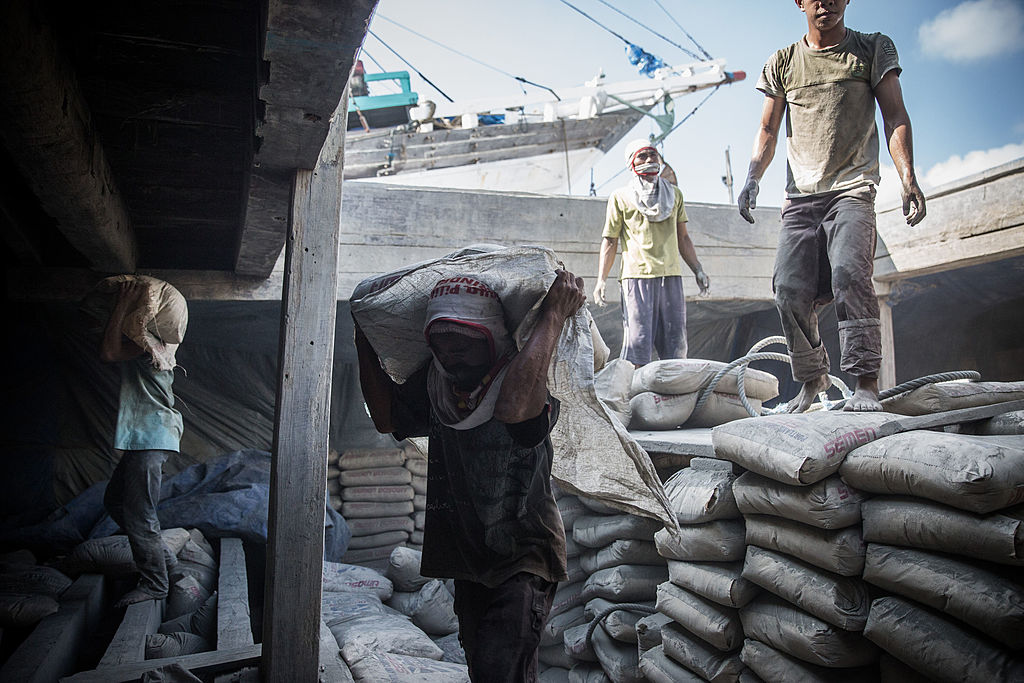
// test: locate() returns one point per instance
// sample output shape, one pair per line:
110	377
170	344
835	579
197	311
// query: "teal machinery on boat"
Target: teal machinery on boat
381	111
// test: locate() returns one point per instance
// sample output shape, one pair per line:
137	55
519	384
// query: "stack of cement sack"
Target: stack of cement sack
377	502
28	591
397	628
697	633
663	394
417	465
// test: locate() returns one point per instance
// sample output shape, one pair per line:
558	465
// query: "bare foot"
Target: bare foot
135	595
865	396
808	393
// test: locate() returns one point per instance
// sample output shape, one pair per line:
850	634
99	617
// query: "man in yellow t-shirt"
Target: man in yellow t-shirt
649	216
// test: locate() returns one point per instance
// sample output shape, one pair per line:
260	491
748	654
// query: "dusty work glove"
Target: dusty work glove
748	199
599	297
703	281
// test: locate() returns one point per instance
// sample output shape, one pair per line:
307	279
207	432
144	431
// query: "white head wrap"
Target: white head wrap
653	196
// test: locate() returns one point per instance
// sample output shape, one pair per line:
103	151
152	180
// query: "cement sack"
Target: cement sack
367	526
371	458
112	555
419	519
796	449
723	540
626	583
161	645
206	576
434	610
31	579
988	601
827	504
840	551
595	505
570	509
976	473
202	622
892	670
784	627
720	626
419	502
660	412
774	665
368	666
339	577
193	552
374	558
648	630
587	672
719	582
620	624
555	655
704	464
419	486
417	465
576	645
403	601
404	569
697	656
702	495
364	509
22	611
937	647
199	539
626	551
379	494
839	600
612	385
996	537
620	662
660	669
184	596
601	350
553	674
377	476
567	597
1007	424
393	633
574	570
597	531
557	625
572	548
452	648
687	375
943	396
334	488
594	454
719	409
386	538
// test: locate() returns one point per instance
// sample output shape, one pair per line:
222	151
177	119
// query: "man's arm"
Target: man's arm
609	247
900	140
524	392
378	388
689	254
764	152
115	346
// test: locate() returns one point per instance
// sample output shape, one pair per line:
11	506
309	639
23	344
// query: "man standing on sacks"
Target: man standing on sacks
491	520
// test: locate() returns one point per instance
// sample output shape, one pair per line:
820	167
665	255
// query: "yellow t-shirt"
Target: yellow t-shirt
648	249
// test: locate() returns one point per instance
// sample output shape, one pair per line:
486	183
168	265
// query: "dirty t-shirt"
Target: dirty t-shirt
831	136
650	249
146	418
490	511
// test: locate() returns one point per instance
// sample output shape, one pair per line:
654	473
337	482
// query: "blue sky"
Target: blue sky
963	72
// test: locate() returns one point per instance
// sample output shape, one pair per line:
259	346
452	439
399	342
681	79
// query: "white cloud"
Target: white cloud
974	30
953	168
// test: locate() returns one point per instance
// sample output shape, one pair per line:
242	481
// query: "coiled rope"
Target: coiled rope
627	606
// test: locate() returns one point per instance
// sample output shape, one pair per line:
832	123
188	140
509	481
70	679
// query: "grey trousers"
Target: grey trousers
653	318
131	499
826	252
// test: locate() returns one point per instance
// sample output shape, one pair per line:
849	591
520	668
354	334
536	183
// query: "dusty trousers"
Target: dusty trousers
131	499
826	252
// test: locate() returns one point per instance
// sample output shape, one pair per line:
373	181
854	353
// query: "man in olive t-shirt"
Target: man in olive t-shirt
827	85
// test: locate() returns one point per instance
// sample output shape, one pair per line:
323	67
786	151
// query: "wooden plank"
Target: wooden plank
887	372
691	442
52	649
201	664
948	417
129	642
927	258
332	667
234	626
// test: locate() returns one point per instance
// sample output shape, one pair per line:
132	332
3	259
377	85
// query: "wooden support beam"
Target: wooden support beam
298	477
201	664
129	642
234	626
887	373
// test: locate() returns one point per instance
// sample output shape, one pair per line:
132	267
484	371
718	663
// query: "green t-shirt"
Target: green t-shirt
146	418
831	137
648	249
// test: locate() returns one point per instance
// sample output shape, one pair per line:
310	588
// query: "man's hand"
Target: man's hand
599	288
128	294
565	296
913	203
703	282
748	199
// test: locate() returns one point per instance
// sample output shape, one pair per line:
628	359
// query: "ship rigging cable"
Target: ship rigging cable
687	51
428	81
680	26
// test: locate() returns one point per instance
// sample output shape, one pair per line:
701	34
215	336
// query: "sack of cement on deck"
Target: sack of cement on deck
990	602
368	666
648	630
206	576
567	596
776	623
161	645
625	583
20	610
433	609
660	669
367	526
719	582
371	458
594	454
774	665
839	600
702	495
419	487
996	537
376	509
687	375
827	504
796	449
621	662
201	621
624	551
184	596
697	656
393	633
718	625
385	538
345	606
937	646
1007	424
620	624
597	531
723	540
612	385
555	656
33	579
452	648
112	555
377	494
570	508
557	625
595	505
339	577
660	412
404	569
376	476
193	552
943	396
840	551
975	473
576	645
721	408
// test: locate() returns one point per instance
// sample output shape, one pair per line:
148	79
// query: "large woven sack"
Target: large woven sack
687	375
594	454
827	504
612	384
943	396
349	578
369	666
393	633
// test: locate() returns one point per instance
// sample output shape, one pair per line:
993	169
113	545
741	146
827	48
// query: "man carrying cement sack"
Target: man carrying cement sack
491	520
827	85
148	427
648	215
